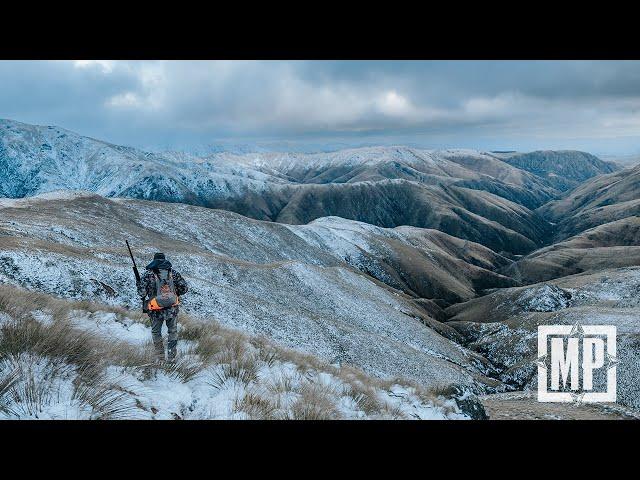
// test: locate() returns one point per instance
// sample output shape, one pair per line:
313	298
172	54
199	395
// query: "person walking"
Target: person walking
160	288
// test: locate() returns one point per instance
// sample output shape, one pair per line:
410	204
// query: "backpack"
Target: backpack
166	296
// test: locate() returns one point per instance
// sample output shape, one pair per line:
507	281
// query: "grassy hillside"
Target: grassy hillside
72	360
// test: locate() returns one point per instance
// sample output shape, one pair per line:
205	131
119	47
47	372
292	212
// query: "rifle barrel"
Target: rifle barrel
135	267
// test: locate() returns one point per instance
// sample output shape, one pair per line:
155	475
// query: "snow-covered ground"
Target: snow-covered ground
292	284
220	374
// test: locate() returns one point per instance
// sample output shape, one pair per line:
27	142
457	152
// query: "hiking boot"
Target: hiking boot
158	347
173	352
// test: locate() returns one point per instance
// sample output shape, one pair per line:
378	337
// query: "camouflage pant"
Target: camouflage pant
170	316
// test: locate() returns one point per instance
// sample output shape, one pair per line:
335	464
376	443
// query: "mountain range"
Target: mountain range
477	196
435	266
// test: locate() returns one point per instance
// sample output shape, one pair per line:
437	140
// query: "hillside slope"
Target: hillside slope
562	169
502	326
303	286
601	200
610	245
63	360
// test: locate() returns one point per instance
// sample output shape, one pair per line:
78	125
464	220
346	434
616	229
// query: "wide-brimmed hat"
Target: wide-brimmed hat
160	262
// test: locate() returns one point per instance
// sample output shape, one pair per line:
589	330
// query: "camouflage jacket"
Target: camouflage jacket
147	285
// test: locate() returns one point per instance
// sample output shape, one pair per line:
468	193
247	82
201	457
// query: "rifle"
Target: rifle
135	267
137	274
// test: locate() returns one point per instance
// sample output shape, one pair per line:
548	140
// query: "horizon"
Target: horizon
196	106
270	146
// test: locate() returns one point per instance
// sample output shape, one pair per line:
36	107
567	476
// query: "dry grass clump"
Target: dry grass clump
315	403
8	379
128	356
57	340
19	303
190	329
243	370
107	399
258	406
393	412
303	361
222	348
28	393
280	385
365	398
183	369
191	332
30	382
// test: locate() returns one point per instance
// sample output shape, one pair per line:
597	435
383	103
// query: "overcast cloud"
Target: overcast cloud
519	105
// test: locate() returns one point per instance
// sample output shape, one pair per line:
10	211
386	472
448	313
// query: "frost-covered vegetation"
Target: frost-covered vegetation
77	360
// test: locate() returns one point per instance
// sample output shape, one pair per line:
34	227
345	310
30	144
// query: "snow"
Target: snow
290	283
43	159
106	325
55	382
547	298
162	396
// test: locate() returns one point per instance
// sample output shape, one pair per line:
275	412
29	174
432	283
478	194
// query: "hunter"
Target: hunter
160	288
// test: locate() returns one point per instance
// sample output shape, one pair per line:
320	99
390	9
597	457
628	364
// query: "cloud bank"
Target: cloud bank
484	104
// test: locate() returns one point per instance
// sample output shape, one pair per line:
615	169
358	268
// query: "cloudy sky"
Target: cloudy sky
499	105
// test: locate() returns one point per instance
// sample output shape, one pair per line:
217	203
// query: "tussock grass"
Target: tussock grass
190	330
243	370
315	403
283	384
8	379
183	369
271	382
30	392
392	412
107	400
58	340
19	303
29	383
366	398
258	406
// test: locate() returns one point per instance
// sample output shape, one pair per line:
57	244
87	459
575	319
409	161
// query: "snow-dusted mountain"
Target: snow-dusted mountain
42	159
563	170
473	195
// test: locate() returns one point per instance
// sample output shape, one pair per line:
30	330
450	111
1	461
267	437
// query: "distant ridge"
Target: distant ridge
479	196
